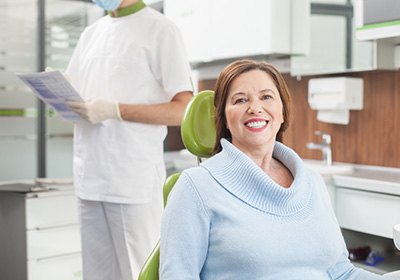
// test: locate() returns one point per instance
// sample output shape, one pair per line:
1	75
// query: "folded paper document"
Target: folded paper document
53	89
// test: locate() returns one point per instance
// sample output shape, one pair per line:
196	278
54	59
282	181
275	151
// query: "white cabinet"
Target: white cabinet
368	200
39	236
367	212
365	198
193	19
65	267
224	29
377	19
367	206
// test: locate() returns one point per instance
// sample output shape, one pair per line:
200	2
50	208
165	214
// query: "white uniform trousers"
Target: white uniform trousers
118	238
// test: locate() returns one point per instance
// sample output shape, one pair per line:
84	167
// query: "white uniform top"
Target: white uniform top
139	58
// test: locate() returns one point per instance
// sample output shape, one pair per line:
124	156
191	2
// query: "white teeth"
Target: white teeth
256	124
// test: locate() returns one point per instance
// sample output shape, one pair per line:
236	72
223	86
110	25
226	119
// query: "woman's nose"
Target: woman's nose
254	107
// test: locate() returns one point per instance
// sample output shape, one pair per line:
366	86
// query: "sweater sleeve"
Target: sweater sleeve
184	233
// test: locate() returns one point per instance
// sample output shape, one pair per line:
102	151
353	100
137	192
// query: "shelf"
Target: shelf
389	264
383	245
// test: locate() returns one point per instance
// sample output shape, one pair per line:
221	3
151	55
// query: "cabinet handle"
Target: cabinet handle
58	257
54	226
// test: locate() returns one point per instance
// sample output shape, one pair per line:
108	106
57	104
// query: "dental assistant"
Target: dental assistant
131	68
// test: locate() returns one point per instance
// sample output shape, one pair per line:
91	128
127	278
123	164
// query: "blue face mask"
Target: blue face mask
109	5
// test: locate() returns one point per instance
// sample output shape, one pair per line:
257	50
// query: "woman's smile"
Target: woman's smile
256	124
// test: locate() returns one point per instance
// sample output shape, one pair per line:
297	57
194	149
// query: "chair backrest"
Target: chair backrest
198	129
198	136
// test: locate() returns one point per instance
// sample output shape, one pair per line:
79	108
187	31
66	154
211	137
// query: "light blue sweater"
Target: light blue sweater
227	219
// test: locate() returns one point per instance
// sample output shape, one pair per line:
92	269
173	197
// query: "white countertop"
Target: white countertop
371	178
39	187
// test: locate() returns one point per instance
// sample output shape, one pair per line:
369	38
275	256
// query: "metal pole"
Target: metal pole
349	37
41	107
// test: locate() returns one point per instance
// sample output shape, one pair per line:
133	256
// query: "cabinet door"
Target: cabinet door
67	267
194	21
51	211
220	29
341	52
367	212
327	52
255	28
53	242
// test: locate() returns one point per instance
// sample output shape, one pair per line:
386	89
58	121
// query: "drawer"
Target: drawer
46	212
53	242
367	212
67	267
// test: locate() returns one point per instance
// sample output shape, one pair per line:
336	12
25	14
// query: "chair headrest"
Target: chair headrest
197	128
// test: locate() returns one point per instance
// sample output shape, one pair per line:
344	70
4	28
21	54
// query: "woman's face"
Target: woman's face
253	110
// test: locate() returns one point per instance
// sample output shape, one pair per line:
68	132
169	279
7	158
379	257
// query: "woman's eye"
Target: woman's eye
239	100
267	97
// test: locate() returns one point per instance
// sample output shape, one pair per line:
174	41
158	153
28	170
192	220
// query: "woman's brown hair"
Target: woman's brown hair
222	87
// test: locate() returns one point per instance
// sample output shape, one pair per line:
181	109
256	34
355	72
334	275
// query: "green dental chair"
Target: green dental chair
198	135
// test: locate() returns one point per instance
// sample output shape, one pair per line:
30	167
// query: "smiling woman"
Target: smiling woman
253	110
238	82
242	205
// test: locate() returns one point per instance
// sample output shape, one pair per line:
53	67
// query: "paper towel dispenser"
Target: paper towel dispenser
334	97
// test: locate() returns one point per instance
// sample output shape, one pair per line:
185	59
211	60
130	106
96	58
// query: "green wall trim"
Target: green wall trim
379	25
12	112
26	112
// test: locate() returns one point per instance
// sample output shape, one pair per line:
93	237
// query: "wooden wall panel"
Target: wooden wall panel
373	135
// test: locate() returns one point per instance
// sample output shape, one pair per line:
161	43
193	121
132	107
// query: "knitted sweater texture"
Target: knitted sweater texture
227	219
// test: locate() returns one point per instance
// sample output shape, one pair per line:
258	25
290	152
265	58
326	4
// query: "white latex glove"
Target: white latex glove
96	110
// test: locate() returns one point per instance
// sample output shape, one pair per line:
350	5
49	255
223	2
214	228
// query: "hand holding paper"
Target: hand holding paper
96	110
53	88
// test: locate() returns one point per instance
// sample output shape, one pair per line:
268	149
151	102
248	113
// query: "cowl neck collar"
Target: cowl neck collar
243	178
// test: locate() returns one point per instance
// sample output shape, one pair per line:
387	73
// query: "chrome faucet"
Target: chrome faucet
324	147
